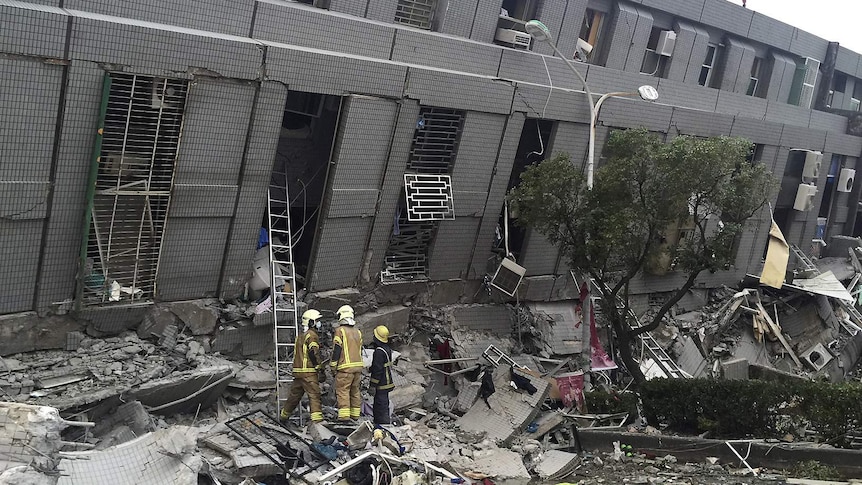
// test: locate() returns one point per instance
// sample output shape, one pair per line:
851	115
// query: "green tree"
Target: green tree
643	191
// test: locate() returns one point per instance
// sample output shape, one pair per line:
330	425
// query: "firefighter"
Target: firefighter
347	365
381	375
306	364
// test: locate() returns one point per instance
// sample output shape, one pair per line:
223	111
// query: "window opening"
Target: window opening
432	155
139	145
308	128
856	99
416	13
511	31
754	78
658	50
839	82
591	33
707	69
535	138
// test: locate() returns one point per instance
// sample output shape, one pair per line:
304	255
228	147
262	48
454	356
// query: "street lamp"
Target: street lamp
541	33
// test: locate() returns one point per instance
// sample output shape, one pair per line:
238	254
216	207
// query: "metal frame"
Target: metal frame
130	184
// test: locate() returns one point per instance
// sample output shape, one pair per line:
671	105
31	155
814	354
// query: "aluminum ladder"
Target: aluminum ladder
663	361
282	284
850	308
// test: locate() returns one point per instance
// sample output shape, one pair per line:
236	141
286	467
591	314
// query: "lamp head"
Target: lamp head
538	31
648	93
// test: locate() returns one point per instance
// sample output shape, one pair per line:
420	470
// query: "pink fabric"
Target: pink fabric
571	389
599	358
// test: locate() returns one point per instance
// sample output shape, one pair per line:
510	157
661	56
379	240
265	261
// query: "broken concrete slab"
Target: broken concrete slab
131	414
29	435
510	410
184	393
157	319
555	464
494	319
504	466
735	369
561	330
114	319
250	462
403	397
330	301
252	377
165	456
26	332
198	316
394	317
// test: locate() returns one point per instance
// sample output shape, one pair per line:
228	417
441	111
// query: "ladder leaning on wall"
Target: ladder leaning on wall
282	284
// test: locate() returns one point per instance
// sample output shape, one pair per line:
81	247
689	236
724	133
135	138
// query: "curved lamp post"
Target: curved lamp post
540	32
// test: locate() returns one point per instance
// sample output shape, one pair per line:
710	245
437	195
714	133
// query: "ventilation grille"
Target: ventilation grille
417	13
429	197
407	255
435	142
141	138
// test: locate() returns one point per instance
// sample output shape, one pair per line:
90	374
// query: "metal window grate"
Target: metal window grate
407	255
418	13
435	142
429	197
432	154
142	126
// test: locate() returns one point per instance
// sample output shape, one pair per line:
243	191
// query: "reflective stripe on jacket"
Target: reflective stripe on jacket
305	353
348	349
381	368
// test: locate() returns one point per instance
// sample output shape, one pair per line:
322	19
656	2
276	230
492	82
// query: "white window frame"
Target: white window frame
709	66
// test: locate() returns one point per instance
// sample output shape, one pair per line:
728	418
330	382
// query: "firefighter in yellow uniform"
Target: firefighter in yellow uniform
347	365
306	364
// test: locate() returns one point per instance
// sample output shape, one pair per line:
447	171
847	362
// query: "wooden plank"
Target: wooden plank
777	331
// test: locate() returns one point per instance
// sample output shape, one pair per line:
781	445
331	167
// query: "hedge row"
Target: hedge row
742	409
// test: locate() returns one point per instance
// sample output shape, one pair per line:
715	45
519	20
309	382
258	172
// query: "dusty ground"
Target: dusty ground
602	469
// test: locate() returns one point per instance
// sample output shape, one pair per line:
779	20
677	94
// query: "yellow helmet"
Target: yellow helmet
346	311
381	333
310	317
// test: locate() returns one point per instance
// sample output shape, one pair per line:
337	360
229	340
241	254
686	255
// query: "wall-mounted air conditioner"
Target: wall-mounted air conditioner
811	169
804	197
845	180
508	276
666	42
514	38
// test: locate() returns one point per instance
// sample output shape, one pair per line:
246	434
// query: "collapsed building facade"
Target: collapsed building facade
208	106
146	146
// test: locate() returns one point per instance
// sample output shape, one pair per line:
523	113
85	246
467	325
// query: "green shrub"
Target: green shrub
599	402
814	470
752	408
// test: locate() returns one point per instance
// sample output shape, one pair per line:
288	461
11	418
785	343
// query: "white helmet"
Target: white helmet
310	318
346	313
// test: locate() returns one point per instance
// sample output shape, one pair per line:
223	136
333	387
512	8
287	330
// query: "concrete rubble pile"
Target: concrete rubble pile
483	393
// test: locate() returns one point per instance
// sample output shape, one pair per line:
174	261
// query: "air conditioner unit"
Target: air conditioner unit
666	42
508	276
811	169
583	50
804	197
515	38
845	180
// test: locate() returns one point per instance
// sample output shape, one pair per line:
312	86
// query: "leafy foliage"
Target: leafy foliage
645	190
736	409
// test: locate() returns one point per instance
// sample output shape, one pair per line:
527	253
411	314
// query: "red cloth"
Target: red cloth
444	350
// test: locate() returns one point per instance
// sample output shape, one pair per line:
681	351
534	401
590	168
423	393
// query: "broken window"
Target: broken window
591	35
754	78
416	13
432	155
135	167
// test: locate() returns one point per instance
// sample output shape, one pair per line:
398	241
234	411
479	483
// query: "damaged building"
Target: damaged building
177	179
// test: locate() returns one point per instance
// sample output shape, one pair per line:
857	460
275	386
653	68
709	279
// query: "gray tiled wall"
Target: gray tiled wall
254	181
496	195
736	69
359	164
393	182
223	16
